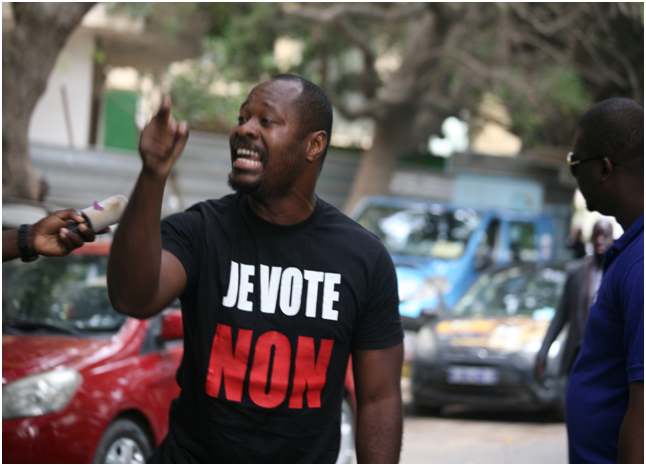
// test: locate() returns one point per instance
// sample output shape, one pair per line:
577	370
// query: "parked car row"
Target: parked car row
439	249
476	298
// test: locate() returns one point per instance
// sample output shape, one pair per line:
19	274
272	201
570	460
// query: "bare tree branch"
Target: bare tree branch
369	74
329	14
373	109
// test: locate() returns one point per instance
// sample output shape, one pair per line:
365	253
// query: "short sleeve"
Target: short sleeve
633	306
181	236
380	324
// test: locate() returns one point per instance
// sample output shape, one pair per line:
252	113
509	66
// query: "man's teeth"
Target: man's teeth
249	153
251	158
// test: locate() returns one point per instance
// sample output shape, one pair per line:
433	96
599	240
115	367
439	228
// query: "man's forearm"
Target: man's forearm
135	258
379	431
10	249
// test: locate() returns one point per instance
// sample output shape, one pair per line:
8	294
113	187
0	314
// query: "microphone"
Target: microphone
102	214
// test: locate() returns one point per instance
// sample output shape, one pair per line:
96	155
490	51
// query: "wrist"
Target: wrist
155	174
26	243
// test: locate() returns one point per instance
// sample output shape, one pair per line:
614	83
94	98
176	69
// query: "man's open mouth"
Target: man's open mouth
247	158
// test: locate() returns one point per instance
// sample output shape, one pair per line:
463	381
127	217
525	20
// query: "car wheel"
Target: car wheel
123	442
346	448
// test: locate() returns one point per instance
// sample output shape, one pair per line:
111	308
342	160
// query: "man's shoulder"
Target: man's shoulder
632	256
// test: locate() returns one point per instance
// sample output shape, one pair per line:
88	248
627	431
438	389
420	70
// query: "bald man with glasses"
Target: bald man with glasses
605	397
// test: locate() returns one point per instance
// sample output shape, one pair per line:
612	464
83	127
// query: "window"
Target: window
421	230
64	292
513	291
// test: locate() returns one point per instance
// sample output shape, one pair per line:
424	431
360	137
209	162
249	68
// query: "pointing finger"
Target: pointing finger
163	116
181	137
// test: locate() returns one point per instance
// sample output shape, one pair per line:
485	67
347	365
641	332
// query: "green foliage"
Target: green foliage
195	101
135	10
566	98
99	55
568	92
507	40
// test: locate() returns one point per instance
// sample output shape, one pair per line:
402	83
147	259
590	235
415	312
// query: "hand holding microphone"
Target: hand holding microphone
62	231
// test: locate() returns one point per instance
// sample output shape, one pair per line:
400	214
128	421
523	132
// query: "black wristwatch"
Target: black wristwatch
23	244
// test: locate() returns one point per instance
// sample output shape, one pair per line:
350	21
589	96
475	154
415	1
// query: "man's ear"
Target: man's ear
607	169
316	145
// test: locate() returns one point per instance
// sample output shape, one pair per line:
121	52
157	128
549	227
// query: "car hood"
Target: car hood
24	355
505	334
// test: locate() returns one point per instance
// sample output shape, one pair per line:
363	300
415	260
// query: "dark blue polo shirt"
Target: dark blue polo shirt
612	354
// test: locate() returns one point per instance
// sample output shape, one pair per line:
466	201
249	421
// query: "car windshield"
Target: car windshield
513	291
421	230
64	294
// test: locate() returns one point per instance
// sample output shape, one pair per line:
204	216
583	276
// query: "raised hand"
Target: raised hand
162	141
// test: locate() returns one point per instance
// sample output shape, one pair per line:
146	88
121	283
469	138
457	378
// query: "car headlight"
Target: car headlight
425	344
39	394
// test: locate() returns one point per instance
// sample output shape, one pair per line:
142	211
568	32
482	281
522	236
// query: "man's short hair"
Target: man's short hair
313	107
614	128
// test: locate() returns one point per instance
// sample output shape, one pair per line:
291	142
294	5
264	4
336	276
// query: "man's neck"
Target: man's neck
631	202
626	220
284	211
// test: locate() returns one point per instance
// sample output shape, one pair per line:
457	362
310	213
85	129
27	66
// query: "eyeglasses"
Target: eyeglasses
573	164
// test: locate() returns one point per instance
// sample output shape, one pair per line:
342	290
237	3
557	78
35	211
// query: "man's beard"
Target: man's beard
243	188
260	189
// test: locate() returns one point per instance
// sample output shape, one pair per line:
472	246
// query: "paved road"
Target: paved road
460	435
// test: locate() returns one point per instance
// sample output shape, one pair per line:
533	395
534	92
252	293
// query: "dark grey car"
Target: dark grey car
483	355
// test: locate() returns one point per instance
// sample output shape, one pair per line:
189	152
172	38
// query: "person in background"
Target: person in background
583	280
47	237
575	243
604	406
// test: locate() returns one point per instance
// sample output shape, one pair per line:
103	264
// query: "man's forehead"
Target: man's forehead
274	93
602	227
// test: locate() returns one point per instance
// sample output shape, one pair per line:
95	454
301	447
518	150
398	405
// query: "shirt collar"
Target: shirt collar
629	235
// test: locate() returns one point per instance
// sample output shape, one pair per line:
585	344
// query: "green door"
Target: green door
120	131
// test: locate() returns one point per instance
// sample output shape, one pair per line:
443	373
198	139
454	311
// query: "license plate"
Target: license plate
473	375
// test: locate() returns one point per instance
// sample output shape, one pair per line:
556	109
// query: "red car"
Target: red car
82	383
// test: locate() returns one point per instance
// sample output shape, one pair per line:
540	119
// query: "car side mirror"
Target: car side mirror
171	326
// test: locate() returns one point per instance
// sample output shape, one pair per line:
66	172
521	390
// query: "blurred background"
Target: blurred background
470	104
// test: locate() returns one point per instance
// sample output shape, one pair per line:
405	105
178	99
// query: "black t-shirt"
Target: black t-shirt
271	314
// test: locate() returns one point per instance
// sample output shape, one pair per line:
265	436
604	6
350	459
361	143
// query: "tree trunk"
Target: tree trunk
29	52
377	164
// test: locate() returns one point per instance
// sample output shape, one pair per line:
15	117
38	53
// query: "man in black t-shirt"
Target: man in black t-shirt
278	289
